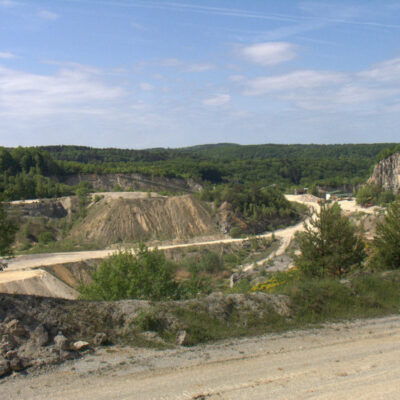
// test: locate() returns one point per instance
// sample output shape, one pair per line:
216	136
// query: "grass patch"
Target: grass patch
321	300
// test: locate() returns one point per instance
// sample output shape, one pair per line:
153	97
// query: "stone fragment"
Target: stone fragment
4	367
100	339
16	328
80	345
11	354
16	364
182	338
40	336
61	342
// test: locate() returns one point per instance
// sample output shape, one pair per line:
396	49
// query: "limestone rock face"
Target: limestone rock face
387	173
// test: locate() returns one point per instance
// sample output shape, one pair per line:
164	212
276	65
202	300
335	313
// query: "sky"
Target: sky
143	73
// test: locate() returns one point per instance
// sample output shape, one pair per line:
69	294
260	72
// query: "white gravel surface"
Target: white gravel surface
358	360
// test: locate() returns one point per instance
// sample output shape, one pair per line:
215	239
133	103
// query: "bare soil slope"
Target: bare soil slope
132	220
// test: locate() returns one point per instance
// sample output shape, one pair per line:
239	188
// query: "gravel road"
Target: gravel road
358	360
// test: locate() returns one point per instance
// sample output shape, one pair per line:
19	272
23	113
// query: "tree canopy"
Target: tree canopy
330	245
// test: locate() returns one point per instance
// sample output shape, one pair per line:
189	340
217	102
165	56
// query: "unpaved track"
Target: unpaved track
27	262
359	360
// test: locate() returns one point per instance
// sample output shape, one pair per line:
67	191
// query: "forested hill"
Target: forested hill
36	171
225	151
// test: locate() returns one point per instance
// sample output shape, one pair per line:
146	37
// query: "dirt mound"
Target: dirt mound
131	220
35	282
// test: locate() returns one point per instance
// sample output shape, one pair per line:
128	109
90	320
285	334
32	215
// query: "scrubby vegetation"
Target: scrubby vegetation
372	194
261	208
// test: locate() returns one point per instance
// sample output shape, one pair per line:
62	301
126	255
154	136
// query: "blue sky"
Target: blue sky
138	74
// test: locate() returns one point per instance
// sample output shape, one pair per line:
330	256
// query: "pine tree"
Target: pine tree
7	235
330	245
386	244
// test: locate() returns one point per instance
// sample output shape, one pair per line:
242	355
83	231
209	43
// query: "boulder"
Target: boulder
16	364
80	345
16	328
4	367
40	336
7	343
61	342
182	338
100	339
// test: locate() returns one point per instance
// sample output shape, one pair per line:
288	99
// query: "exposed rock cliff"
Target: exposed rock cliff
387	173
134	181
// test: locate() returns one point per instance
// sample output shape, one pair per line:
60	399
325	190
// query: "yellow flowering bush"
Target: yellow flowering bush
277	281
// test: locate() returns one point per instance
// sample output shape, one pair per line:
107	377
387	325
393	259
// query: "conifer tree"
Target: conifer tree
330	245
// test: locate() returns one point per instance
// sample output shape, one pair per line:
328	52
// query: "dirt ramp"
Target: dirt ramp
35	282
131	220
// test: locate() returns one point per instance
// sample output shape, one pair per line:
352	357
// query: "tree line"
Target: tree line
36	172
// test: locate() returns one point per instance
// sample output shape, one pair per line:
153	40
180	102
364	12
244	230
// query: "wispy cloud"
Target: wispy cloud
374	88
307	79
217	100
45	14
199	67
147	87
26	95
269	53
387	71
170	62
327	13
7	55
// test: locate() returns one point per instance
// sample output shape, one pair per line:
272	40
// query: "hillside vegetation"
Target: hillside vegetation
27	173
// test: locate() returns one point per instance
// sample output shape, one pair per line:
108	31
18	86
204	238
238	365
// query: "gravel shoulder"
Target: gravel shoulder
354	360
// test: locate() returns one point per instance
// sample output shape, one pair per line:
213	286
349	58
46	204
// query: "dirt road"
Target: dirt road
359	360
27	262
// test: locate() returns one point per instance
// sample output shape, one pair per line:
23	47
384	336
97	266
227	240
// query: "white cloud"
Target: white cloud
217	100
52	16
293	81
236	78
269	53
146	87
6	55
371	90
26	95
385	71
170	62
200	67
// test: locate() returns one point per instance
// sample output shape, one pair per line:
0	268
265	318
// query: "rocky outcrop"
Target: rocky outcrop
50	208
35	331
387	173
133	182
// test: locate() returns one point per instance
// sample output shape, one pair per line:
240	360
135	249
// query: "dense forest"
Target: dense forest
34	172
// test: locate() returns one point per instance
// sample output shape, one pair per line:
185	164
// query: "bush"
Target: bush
235	232
142	274
386	244
45	237
208	261
330	245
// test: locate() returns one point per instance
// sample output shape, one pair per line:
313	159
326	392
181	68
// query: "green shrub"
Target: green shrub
208	261
144	275
235	232
45	237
